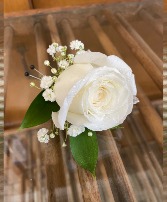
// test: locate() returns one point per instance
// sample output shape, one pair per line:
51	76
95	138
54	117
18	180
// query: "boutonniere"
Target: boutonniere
86	92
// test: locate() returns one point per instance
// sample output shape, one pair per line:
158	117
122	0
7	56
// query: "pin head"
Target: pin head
26	74
32	67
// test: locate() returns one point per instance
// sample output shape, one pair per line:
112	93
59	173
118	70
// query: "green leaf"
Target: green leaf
39	112
84	149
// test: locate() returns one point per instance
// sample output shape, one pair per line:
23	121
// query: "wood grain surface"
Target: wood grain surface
11	6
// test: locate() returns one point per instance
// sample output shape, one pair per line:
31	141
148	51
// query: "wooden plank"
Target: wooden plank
151	116
41	49
89	186
143	140
55	171
107	143
153	56
103	38
146	62
30	159
165	6
30	2
67	30
72	170
63	3
103	182
53	29
145	156
38	171
145	181
17	5
70	196
40	189
158	27
38	12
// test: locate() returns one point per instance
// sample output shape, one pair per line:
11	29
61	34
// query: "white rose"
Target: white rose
96	92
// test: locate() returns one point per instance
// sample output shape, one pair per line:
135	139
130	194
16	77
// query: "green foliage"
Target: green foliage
84	149
39	112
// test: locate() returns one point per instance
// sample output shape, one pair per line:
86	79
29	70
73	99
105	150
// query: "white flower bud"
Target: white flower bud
70	56
63	53
46	82
49	95
43	136
54	78
55	44
46	62
63	64
52	135
53	70
32	84
76	45
90	134
61	49
51	50
64	144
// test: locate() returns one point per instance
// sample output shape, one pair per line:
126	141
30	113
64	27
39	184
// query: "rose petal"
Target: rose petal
62	114
77	119
55	119
93	58
67	79
123	68
114	119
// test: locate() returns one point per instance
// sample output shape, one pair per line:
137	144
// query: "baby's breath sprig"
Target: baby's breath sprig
54	129
60	56
76	45
32	84
57	131
47	83
47	63
70	58
54	71
66	126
